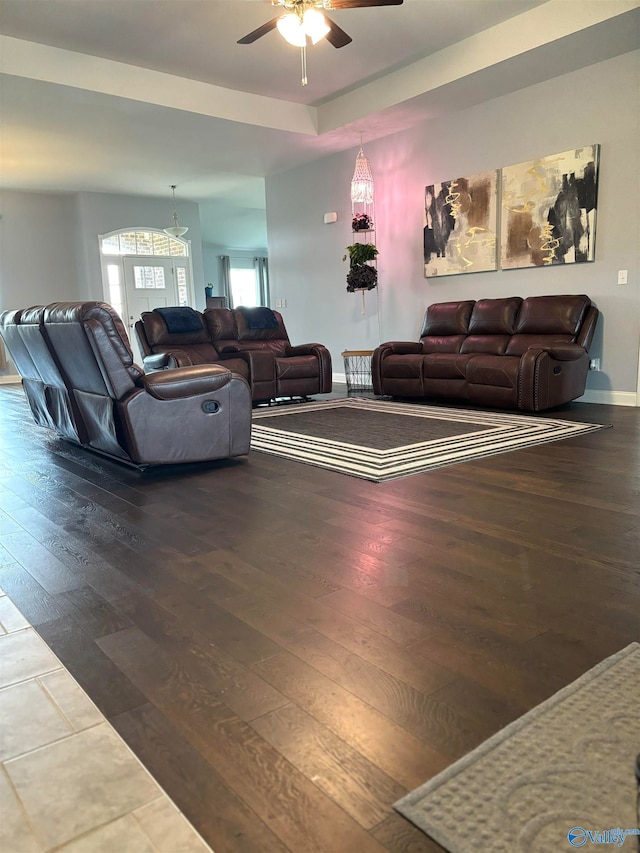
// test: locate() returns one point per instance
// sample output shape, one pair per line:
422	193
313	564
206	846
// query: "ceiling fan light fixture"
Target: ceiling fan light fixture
291	29
296	29
315	25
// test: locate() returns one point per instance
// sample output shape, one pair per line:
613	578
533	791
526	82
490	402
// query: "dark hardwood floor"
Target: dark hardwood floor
289	650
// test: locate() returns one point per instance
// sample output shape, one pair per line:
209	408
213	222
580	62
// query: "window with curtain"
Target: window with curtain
245	281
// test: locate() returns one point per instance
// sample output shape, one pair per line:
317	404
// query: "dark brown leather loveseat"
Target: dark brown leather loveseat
80	380
529	354
251	341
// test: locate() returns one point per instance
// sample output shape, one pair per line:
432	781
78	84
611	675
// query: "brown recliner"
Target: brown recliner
252	341
187	414
293	371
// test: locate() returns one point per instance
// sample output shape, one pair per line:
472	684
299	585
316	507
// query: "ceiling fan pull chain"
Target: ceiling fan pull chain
303	57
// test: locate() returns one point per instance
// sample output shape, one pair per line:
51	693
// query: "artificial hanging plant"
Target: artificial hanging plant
361	275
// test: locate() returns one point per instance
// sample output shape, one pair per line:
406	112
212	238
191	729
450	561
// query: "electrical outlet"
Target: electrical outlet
623	276
594	364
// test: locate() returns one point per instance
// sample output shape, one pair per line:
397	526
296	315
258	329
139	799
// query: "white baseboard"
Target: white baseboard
611	398
10	380
340	378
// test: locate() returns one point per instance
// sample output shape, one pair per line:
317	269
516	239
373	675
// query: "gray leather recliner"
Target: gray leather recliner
80	379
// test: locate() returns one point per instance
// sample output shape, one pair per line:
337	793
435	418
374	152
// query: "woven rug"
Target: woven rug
380	440
559	778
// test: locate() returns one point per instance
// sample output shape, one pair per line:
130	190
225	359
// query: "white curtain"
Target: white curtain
262	278
225	279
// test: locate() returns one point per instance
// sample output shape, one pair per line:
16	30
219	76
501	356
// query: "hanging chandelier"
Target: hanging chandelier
175	230
362	181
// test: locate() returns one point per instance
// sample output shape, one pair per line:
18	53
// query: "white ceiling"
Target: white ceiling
128	96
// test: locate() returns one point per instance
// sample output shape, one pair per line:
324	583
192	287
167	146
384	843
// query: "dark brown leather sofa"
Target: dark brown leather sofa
252	342
80	380
529	354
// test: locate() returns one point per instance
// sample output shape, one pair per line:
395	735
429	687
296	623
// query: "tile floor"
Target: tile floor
68	782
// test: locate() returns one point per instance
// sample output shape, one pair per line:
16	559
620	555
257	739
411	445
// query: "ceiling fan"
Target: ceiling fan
302	20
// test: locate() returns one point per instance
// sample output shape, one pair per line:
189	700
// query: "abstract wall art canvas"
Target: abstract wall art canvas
460	225
549	210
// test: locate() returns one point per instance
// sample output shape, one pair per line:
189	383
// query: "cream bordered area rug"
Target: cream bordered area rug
559	778
379	440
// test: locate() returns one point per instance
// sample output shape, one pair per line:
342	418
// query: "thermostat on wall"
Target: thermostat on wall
330	217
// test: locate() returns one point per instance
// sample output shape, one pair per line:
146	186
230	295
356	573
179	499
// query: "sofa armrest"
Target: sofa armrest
186	381
323	357
156	361
390	348
174	358
304	349
564	352
545	381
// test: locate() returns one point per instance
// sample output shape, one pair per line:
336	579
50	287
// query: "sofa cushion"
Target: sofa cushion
519	344
490	344
499	371
552	315
447	318
258	317
297	367
442	343
495	316
181	319
159	336
445	365
221	324
245	332
197	353
408	366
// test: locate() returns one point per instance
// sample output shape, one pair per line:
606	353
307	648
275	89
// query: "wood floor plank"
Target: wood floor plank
394	750
282	796
357	785
200	793
237	686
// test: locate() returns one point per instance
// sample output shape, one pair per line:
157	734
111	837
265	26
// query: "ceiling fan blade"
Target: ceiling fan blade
361	4
261	31
336	36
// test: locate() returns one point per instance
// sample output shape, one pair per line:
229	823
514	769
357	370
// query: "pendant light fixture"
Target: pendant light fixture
362	181
175	230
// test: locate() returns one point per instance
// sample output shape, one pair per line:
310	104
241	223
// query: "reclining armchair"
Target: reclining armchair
259	335
80	379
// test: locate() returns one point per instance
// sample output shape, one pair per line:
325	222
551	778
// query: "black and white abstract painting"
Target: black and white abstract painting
460	223
549	210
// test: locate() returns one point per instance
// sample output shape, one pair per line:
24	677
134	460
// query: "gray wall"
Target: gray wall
37	249
99	213
49	243
595	105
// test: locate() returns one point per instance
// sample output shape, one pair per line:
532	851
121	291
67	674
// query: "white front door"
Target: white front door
153	283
